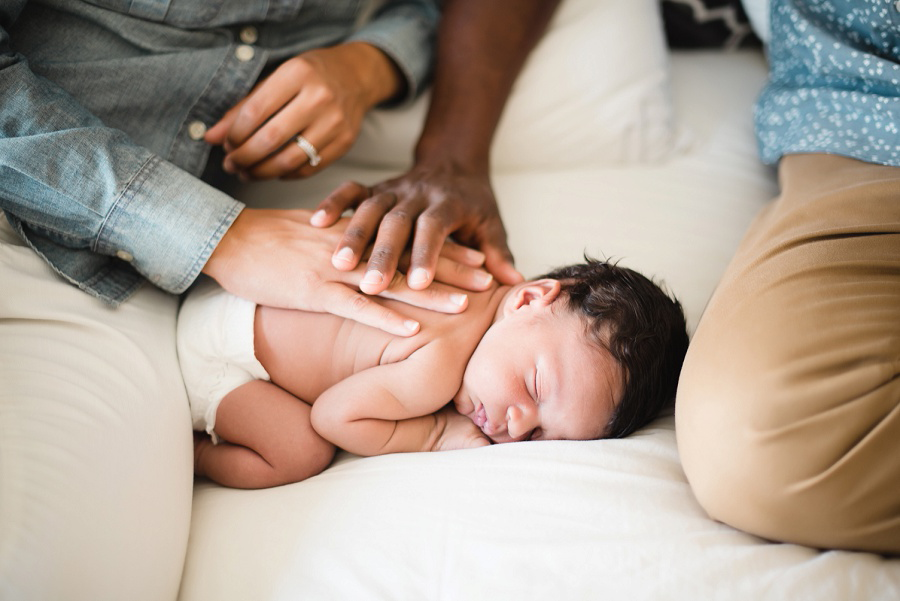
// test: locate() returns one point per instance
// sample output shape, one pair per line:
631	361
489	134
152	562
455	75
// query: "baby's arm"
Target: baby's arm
394	408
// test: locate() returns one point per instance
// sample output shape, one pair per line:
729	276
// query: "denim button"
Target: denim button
196	130
249	34
244	53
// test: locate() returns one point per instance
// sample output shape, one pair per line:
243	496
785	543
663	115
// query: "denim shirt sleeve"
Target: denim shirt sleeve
404	30
73	187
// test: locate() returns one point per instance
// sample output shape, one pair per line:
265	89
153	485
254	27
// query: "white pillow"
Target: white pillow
595	91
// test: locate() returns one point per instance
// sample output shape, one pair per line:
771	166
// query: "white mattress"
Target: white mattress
560	520
557	520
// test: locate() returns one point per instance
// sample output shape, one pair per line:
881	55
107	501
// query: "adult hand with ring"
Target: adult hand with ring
307	113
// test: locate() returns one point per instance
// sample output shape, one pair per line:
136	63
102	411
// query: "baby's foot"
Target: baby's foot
202	441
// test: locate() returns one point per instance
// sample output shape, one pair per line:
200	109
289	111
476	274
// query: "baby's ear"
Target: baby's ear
536	293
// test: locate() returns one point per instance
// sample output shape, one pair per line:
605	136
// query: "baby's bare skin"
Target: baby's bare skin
516	366
307	353
267	425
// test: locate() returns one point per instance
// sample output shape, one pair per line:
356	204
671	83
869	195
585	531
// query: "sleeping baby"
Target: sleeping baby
585	352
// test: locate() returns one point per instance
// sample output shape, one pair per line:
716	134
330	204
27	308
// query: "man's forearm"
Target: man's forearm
481	49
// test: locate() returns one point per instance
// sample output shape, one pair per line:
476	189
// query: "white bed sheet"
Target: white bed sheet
559	520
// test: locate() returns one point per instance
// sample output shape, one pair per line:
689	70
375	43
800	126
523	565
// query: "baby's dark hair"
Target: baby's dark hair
643	328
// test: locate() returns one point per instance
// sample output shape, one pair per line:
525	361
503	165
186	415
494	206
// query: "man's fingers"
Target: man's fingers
346	196
498	259
429	239
361	229
393	233
499	262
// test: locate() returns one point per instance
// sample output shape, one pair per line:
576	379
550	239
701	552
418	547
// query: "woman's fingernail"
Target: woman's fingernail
483	279
373	277
411	325
345	255
418	276
458	299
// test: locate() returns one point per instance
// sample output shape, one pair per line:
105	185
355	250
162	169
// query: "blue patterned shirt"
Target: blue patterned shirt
834	82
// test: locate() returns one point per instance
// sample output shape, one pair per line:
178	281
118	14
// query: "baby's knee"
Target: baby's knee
315	455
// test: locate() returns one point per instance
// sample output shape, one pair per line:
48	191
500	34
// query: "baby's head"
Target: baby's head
588	351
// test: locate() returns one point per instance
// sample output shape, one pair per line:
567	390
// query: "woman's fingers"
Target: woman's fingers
462	254
340	300
271	139
438	297
267	99
449	271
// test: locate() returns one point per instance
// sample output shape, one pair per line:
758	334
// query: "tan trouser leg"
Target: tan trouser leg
788	411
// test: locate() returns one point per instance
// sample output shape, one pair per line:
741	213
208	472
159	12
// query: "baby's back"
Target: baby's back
306	353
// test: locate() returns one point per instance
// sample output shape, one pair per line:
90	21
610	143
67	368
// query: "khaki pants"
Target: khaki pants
788	410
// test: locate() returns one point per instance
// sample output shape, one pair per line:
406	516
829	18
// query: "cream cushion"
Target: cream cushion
96	497
595	91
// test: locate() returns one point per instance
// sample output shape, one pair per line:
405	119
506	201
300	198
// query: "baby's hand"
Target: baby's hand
457	431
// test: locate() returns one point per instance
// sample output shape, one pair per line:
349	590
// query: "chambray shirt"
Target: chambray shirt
834	83
103	107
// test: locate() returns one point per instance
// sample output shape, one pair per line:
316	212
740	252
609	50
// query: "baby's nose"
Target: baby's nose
521	420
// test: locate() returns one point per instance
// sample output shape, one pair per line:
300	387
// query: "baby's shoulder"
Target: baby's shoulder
450	337
448	342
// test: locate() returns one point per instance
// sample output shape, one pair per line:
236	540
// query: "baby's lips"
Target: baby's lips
480	417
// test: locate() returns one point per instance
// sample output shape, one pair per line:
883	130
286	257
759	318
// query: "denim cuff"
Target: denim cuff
166	224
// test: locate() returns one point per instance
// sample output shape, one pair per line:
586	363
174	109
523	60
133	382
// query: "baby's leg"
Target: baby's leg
268	440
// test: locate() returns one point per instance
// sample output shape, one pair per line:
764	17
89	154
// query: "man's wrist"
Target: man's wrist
431	153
